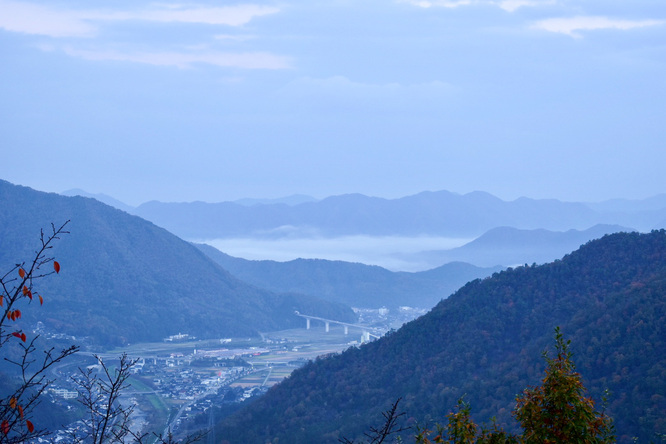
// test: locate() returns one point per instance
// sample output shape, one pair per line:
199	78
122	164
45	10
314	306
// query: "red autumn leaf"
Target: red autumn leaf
31	428
16	314
5	427
2	300
56	266
12	315
21	273
41	300
20	409
25	290
17	334
23	337
30	295
9	315
12	403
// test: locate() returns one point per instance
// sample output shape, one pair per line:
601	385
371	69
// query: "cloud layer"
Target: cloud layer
32	18
507	5
572	26
36	19
218	100
186	60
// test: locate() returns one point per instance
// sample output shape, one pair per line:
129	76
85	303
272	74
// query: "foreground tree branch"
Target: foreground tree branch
17	287
99	390
378	435
108	421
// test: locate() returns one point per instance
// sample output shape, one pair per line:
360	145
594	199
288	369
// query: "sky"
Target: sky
218	101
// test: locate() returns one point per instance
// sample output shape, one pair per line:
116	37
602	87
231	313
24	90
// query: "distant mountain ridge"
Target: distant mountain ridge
104	198
435	213
126	280
653	203
294	199
357	285
440	213
509	246
485	342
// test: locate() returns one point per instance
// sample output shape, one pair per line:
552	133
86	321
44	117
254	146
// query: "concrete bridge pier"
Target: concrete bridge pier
346	329
307	325
328	326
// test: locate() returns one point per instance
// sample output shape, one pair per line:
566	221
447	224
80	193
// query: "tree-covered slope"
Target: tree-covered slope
358	285
125	279
485	341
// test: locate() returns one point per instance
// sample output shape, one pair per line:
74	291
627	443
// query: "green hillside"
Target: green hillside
127	280
485	341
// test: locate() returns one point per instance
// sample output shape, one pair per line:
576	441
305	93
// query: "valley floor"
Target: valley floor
181	385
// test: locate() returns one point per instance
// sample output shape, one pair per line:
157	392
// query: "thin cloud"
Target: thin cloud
439	3
338	94
570	26
254	60
507	5
512	5
226	15
35	19
340	85
234	38
31	18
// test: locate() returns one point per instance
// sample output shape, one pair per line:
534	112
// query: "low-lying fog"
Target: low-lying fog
391	252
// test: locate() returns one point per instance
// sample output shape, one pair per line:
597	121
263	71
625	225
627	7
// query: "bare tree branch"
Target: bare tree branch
378	435
16	285
108	421
99	392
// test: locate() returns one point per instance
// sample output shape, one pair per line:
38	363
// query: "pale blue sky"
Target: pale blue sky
220	100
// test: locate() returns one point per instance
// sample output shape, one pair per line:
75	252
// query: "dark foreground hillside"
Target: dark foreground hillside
127	280
485	341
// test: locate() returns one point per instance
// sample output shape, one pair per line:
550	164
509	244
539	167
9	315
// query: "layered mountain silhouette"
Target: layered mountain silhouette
436	213
358	285
509	246
440	213
124	279
104	198
484	342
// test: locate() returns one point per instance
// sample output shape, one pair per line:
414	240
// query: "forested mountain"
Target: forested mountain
440	213
354	284
124	279
485	341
